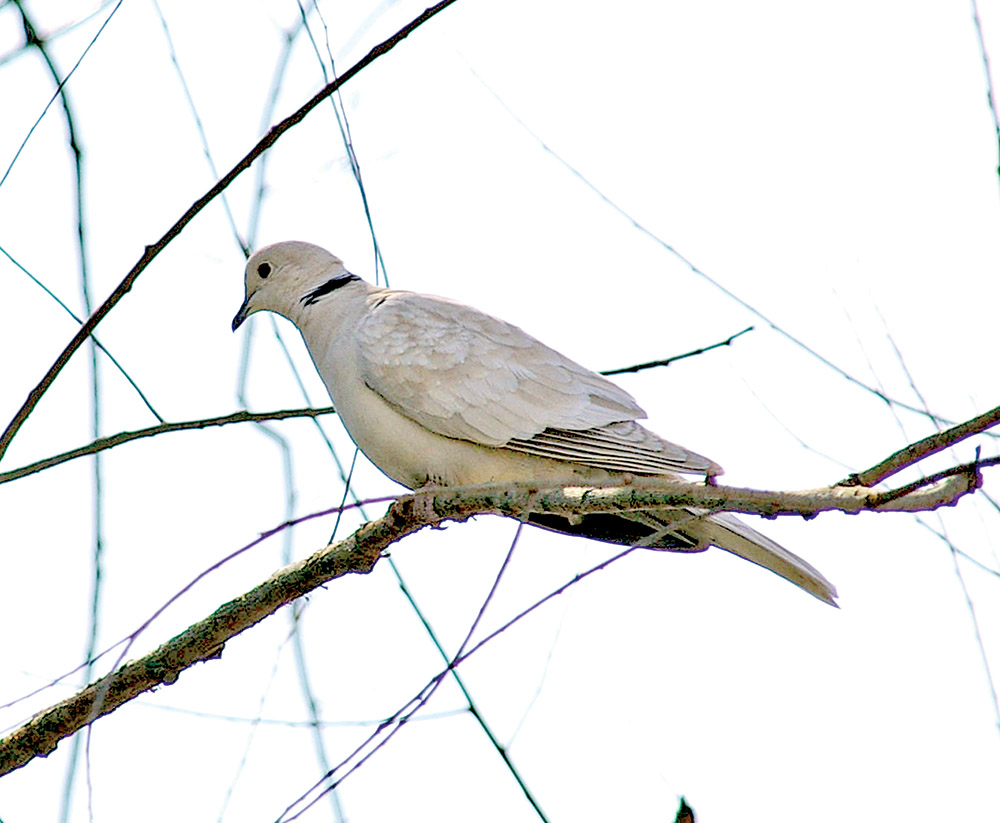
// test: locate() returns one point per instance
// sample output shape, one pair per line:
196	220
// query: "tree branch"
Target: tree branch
922	448
104	443
694	353
202	641
358	554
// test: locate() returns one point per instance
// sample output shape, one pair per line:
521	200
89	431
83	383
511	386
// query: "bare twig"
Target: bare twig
199	125
32	39
976	628
471	707
933	483
50	35
407	712
990	98
153	250
104	443
654	363
93	337
923	448
96	405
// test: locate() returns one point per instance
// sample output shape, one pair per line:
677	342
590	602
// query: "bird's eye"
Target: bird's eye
263	270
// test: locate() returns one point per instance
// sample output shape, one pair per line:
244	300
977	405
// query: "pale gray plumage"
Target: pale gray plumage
433	391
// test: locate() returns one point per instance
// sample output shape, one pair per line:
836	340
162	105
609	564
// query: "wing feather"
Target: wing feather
465	374
624	447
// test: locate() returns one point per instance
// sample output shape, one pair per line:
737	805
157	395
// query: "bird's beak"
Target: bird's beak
241	315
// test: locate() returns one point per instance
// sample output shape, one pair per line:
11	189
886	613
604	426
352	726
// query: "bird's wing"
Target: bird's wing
464	374
461	373
620	448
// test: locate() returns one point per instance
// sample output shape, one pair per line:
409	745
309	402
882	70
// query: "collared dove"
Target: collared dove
436	392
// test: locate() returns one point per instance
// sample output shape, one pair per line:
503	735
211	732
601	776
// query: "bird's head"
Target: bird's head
285	276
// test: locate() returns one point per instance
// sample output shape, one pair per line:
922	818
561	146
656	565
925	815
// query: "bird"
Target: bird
438	393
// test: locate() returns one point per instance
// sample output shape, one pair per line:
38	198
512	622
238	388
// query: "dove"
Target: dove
438	393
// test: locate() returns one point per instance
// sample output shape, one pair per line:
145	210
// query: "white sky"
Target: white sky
834	165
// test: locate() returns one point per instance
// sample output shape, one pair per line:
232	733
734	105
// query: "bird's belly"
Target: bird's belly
401	448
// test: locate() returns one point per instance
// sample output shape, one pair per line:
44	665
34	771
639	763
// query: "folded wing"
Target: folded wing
465	374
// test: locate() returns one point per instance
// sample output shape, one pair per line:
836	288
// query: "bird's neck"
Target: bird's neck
326	309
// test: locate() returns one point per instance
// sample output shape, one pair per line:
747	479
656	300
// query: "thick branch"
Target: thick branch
204	640
360	552
460	502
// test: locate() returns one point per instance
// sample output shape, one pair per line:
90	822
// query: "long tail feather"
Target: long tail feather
693	530
729	533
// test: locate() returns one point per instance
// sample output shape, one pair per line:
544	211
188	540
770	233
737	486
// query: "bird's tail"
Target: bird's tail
732	534
692	530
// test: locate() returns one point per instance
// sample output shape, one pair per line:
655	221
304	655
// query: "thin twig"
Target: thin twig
39	43
654	363
199	125
471	707
968	470
909	455
93	337
32	38
990	97
976	629
104	443
51	35
399	719
539	603
407	712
